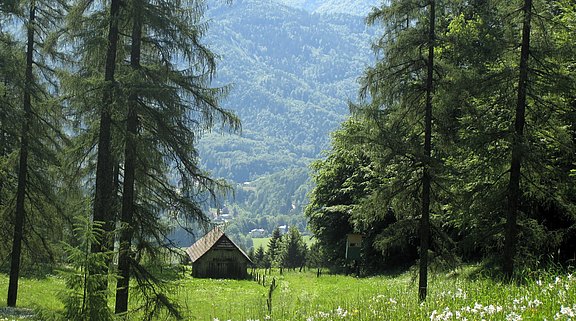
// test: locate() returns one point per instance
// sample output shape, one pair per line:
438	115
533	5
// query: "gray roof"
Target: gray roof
208	241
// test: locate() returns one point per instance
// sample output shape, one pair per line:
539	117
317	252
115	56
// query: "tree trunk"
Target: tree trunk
517	148
104	196
426	179
128	196
23	165
3	135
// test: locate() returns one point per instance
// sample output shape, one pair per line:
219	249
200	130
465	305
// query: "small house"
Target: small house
283	229
216	256
257	232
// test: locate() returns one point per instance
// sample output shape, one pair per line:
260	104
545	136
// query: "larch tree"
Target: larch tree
401	86
40	134
128	197
508	66
517	144
23	161
426	169
104	197
163	99
476	73
10	95
170	103
540	145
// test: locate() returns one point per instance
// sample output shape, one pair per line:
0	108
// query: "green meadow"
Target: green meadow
459	295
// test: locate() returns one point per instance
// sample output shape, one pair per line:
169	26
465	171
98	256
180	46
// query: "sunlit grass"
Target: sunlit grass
34	293
303	296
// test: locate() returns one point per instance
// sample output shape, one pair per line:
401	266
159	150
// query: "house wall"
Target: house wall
221	263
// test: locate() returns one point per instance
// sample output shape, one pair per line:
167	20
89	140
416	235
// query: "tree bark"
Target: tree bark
23	164
3	135
426	179
104	196
517	148
130	155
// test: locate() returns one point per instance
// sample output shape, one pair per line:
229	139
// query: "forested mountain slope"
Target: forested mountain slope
292	69
351	7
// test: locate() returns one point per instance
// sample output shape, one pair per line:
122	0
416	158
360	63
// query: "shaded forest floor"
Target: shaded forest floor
459	295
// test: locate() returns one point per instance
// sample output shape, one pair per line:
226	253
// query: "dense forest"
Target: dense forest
460	148
463	148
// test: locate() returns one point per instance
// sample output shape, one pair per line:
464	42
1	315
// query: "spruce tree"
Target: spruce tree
293	249
259	257
274	245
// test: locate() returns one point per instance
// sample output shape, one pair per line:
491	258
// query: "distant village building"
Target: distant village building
257	232
222	215
283	229
216	256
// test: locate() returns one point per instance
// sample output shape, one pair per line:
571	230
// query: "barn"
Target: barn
216	256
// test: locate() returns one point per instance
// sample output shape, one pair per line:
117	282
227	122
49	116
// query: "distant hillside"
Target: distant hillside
292	73
350	7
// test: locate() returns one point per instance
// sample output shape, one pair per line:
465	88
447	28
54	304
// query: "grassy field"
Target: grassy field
303	296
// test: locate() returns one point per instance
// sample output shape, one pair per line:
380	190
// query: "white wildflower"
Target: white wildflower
433	315
513	317
341	312
491	309
567	311
448	314
535	303
460	294
323	314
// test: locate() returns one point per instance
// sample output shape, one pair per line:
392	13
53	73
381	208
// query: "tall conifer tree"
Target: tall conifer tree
104	197
401	86
39	134
518	148
23	161
128	193
170	104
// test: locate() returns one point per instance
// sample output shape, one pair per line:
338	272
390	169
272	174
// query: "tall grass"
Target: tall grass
303	296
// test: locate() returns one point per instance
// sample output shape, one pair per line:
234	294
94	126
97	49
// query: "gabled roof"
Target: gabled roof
208	241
